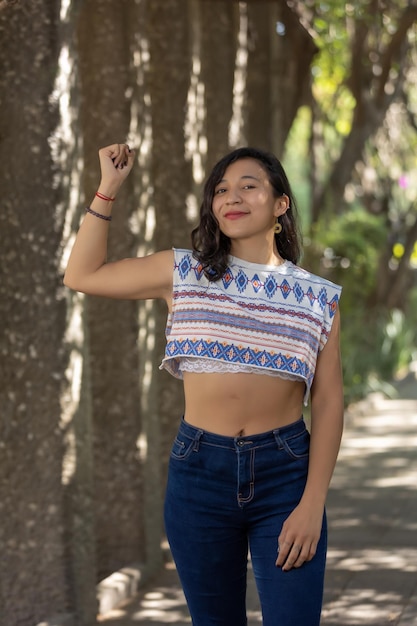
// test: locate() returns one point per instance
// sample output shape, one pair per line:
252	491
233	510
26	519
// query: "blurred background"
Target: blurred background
86	417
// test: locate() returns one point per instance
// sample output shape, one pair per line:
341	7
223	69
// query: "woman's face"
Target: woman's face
244	204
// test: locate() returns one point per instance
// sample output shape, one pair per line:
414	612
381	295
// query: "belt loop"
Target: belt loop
278	439
197	440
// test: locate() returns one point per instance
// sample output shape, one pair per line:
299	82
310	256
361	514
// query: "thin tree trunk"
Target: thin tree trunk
105	41
259	77
393	285
292	53
168	81
219	30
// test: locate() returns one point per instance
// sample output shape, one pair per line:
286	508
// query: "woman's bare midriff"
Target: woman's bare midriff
241	404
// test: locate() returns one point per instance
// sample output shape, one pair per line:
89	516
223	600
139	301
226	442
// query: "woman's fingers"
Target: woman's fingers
293	554
121	155
116	161
299	536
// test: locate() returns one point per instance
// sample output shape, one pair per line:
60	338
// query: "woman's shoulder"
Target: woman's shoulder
181	251
300	273
185	256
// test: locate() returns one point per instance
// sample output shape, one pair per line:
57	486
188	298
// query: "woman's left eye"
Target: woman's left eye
249	187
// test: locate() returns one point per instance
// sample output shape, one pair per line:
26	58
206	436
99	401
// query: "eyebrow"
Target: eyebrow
224	180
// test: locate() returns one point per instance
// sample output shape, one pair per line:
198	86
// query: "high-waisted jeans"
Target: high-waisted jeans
225	494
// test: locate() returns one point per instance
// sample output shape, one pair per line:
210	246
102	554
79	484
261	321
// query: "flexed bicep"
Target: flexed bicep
133	279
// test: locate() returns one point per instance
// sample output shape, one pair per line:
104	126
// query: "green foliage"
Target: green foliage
296	163
374	349
344	33
351	246
352	41
374	343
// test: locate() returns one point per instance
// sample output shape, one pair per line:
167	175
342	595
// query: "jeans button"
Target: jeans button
240	442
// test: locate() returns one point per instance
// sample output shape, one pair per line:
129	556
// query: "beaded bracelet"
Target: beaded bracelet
108	218
103	197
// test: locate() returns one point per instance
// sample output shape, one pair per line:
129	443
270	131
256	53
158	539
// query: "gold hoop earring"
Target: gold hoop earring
277	228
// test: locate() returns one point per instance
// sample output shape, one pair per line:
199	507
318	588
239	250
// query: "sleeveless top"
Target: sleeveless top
257	318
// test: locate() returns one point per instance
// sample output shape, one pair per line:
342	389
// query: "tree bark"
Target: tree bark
106	40
219	30
39	453
278	80
168	81
394	284
259	76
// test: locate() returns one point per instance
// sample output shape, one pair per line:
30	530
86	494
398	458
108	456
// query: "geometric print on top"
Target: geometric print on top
258	318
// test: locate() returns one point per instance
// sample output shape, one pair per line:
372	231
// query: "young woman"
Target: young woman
253	336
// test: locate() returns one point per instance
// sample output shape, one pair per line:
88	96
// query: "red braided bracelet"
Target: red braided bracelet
103	197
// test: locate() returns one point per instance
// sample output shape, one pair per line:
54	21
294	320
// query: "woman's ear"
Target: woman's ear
282	204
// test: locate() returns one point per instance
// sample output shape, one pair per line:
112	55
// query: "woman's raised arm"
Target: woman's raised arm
87	270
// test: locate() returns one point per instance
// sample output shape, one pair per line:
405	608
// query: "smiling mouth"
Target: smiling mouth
234	215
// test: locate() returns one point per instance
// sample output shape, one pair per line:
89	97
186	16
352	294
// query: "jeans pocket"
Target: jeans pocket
181	448
298	446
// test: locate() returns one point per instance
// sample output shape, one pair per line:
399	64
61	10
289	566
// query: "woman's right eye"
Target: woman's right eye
218	192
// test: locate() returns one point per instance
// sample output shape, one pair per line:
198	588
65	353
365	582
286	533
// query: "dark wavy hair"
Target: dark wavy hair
211	247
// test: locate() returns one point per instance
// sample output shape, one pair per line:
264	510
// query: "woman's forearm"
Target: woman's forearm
327	409
326	434
89	252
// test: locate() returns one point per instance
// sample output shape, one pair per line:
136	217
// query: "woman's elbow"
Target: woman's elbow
71	282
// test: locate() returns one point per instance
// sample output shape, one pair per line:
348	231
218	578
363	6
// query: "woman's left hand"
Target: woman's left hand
300	534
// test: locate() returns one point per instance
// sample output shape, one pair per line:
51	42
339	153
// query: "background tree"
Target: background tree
216	39
106	34
45	477
278	73
168	79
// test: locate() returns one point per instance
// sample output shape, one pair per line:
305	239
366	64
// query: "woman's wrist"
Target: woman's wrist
102	203
108	191
102	196
102	216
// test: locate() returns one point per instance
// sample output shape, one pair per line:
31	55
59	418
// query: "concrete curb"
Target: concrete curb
120	586
111	591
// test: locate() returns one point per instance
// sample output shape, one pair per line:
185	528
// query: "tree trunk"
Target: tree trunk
331	199
278	78
168	81
219	30
106	35
259	98
292	53
40	458
394	285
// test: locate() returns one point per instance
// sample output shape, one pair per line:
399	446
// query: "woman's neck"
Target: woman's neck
263	255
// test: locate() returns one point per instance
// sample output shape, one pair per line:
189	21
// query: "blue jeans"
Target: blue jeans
225	494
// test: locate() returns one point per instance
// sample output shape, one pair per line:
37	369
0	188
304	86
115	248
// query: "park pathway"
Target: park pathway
372	511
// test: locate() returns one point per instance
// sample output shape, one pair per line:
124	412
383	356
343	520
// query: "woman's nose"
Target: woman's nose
233	196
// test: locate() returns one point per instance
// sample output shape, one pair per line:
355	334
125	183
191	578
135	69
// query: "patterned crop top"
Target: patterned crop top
257	318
